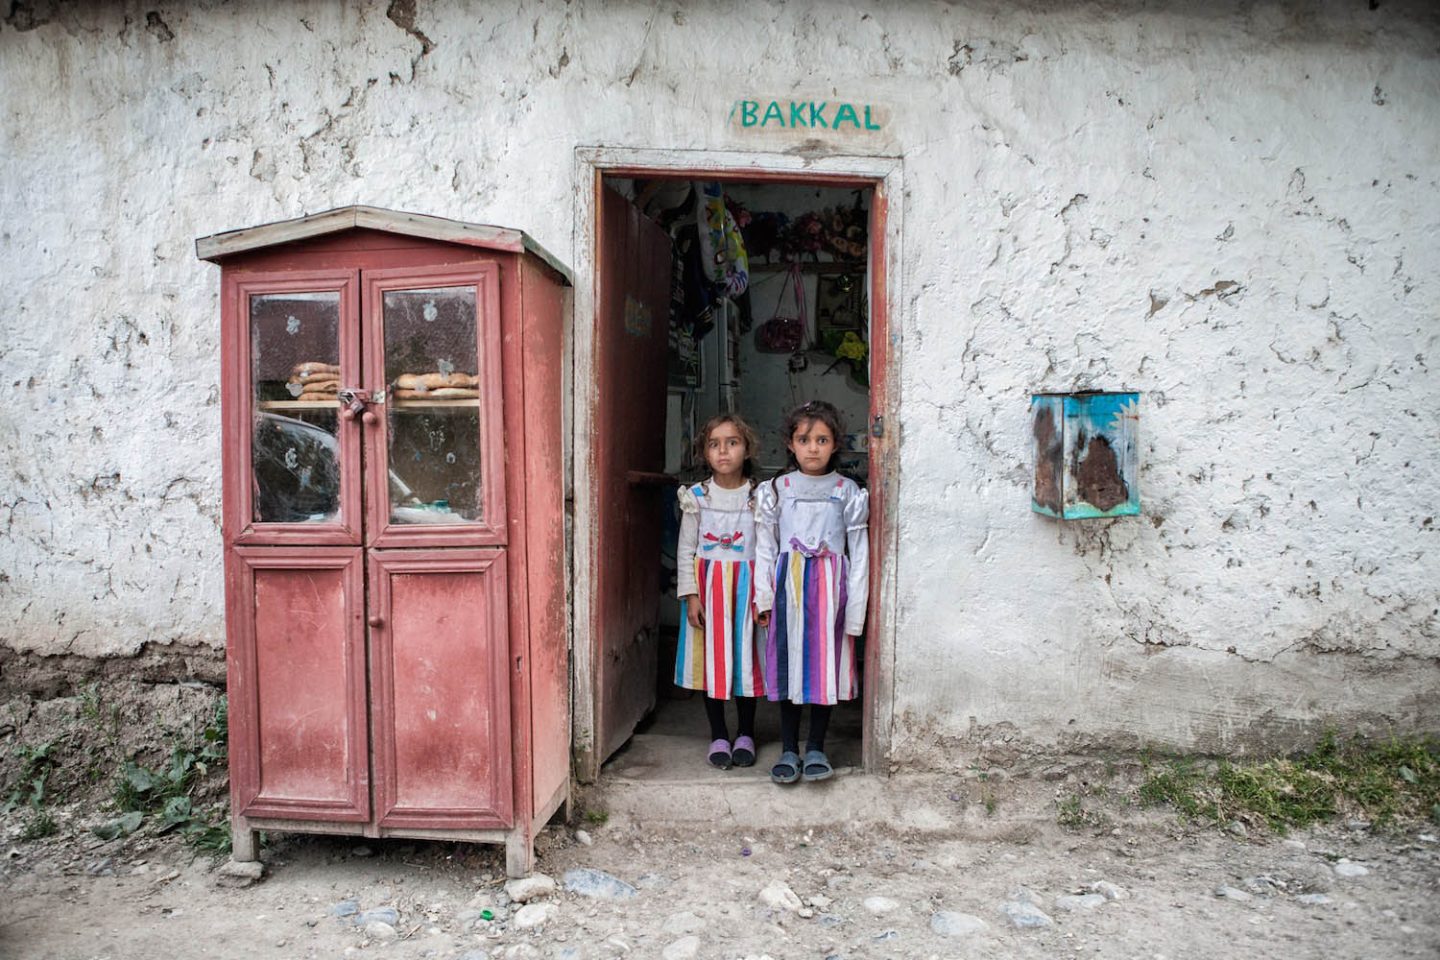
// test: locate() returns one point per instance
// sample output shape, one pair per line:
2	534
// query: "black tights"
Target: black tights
715	713
790	726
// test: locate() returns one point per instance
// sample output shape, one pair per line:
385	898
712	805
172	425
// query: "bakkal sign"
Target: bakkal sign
836	116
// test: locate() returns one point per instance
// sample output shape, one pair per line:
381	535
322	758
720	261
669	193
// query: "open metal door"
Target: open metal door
631	353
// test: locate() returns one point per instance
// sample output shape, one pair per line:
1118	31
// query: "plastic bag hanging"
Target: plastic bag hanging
785	332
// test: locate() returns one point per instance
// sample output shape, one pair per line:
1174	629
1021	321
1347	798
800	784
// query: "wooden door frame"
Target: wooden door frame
885	176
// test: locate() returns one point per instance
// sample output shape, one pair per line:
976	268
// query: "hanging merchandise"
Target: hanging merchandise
697	312
846	231
804	235
785	332
764	235
720	242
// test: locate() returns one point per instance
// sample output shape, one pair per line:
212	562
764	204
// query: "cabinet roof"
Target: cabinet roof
221	245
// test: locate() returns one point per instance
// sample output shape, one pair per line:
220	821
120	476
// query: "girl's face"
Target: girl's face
813	445
725	451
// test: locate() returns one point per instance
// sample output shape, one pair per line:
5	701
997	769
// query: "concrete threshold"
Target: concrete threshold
661	781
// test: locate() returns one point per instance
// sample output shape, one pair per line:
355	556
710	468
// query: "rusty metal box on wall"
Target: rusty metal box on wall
1087	460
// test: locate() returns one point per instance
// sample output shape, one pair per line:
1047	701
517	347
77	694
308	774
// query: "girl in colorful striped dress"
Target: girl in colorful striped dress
813	568
715	577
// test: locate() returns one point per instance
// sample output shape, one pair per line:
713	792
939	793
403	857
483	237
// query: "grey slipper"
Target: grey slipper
787	768
817	766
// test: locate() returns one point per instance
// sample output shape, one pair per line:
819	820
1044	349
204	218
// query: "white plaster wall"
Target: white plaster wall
1232	207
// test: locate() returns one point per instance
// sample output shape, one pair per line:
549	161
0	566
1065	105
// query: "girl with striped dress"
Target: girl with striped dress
813	573
715	560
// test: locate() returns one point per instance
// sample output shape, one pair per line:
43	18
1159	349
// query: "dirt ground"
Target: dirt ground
973	865
1154	891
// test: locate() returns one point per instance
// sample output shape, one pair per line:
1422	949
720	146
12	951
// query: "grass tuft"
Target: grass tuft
166	793
1380	781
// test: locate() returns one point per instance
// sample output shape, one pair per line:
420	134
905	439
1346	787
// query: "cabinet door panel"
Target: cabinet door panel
293	343
433	346
440	688
297	683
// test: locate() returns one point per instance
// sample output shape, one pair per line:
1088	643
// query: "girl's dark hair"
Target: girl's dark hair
747	437
818	411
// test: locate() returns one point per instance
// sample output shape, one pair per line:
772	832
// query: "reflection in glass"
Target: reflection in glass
295	373
435	459
297	472
431	367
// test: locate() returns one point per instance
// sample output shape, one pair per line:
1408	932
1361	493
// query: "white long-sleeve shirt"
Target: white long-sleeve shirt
828	509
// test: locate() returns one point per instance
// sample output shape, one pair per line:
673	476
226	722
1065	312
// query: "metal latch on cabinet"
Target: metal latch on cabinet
354	402
877	427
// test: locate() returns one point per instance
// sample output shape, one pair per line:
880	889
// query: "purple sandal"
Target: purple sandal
720	754
744	753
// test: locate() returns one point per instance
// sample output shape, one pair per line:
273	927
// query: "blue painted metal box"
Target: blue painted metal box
1087	454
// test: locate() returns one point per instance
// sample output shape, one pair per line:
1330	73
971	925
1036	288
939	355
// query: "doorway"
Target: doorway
819	243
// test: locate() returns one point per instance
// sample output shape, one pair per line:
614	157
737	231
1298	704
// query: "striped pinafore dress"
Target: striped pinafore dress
722	657
818	556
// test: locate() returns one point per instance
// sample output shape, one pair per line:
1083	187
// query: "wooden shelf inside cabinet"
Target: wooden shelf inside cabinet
298	404
431	404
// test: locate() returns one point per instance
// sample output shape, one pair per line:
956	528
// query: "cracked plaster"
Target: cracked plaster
1231	207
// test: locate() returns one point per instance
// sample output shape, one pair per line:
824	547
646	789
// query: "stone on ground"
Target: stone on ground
589	882
239	875
530	888
779	896
345	908
379	930
533	915
1349	869
379	915
947	923
1025	915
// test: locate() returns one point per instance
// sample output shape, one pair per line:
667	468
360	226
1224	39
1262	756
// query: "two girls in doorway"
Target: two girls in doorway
791	556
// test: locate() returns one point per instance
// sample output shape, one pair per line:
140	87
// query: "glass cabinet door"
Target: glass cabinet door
433	366
299	347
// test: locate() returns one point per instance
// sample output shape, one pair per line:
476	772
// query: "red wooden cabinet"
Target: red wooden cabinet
393	450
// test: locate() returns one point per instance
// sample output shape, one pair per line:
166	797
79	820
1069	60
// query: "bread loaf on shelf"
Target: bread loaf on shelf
312	370
433	381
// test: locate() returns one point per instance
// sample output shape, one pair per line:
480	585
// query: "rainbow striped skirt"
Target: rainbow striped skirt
808	657
722	658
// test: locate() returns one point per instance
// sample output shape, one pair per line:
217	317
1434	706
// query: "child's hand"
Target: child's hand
762	617
694	612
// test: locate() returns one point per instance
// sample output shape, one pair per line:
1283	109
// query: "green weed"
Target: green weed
597	817
30	783
1180	785
1380	781
39	826
1071	813
166	793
